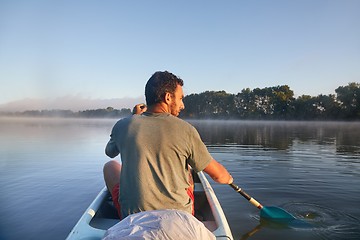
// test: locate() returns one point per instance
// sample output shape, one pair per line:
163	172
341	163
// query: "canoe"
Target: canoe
101	214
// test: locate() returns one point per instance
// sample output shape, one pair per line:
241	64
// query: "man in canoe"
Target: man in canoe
156	149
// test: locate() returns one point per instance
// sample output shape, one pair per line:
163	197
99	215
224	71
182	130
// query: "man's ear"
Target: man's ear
167	98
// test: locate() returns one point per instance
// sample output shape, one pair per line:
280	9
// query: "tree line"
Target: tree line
270	103
96	113
275	103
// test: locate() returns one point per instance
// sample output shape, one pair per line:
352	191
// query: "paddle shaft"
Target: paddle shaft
247	196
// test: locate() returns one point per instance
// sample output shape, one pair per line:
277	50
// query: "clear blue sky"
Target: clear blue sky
108	49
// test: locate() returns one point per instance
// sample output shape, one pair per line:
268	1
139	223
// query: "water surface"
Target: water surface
51	169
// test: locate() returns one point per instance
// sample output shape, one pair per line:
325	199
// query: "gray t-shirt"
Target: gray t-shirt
155	152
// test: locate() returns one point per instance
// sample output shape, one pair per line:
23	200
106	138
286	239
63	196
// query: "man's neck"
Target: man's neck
158	108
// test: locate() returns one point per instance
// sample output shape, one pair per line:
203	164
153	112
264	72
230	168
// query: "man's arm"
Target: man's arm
111	149
218	172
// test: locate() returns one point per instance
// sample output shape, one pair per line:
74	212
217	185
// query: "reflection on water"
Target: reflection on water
282	163
282	134
50	171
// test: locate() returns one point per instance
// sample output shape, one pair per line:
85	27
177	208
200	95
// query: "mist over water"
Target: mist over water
51	170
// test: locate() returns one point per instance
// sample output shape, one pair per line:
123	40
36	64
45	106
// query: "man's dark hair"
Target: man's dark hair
159	84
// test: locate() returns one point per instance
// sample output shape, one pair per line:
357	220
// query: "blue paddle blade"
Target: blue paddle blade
275	213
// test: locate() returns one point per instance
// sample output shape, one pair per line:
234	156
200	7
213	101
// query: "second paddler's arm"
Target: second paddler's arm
218	172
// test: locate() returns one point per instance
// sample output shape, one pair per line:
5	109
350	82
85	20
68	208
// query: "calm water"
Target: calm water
50	171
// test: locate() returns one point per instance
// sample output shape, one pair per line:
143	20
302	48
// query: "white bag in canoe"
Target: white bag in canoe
159	224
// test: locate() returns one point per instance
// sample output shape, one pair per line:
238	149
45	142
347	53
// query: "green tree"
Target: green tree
303	108
209	104
244	104
282	98
349	100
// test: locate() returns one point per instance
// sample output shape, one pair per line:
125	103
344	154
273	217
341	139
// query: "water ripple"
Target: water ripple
328	223
325	223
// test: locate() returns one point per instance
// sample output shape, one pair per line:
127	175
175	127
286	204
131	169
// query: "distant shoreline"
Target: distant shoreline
270	103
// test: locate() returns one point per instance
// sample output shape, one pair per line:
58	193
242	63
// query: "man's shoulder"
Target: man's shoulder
181	122
123	121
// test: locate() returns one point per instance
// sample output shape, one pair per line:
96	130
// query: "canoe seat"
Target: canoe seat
103	223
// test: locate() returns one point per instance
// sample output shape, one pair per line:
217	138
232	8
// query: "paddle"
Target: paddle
270	213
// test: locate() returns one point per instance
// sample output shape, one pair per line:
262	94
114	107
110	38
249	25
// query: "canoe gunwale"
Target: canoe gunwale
219	226
223	231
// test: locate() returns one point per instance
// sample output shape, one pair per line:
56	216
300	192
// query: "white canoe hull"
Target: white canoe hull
101	215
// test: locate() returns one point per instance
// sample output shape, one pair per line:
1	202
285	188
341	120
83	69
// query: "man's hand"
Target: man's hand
139	108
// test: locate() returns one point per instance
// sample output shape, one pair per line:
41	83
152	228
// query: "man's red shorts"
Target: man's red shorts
115	197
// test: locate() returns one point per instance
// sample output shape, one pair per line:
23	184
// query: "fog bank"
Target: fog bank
73	103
